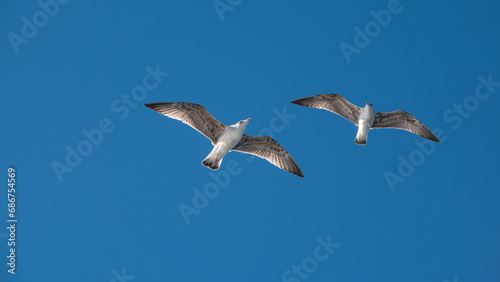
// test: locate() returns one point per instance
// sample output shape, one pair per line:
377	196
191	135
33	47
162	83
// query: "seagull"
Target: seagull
366	118
227	138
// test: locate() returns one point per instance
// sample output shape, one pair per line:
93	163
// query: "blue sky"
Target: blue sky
397	209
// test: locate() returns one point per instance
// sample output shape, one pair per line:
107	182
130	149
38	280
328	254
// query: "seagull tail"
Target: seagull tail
360	141
361	137
211	161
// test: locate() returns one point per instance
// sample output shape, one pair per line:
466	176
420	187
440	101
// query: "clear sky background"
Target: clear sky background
397	209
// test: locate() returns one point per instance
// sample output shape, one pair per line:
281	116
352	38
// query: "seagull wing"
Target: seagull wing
334	103
405	121
193	115
265	147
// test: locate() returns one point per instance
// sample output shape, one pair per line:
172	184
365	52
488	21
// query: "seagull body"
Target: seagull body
227	138
365	122
227	141
366	118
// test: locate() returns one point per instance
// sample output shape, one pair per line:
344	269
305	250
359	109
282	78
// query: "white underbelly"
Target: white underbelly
227	142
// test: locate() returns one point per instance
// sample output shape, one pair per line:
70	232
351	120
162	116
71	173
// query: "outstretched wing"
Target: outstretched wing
334	103
265	147
405	121
193	115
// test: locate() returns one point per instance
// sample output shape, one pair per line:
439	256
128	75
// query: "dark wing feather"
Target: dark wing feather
265	147
193	115
405	121
334	103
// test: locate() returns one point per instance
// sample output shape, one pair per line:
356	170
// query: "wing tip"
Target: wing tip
430	135
298	101
157	104
301	101
295	171
304	101
294	167
433	138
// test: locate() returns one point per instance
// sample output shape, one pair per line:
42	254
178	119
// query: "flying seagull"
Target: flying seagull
366	118
227	138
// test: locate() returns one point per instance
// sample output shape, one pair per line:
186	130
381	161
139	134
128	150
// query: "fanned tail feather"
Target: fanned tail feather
360	141
211	161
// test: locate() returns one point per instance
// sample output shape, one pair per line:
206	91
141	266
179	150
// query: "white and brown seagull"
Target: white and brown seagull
366	118
227	138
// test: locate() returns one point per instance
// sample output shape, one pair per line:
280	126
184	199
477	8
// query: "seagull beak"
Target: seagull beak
249	119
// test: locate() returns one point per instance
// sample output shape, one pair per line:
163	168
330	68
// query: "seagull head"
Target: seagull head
368	104
243	123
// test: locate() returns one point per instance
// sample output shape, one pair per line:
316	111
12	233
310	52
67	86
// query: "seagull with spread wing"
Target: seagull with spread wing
227	138
366	118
